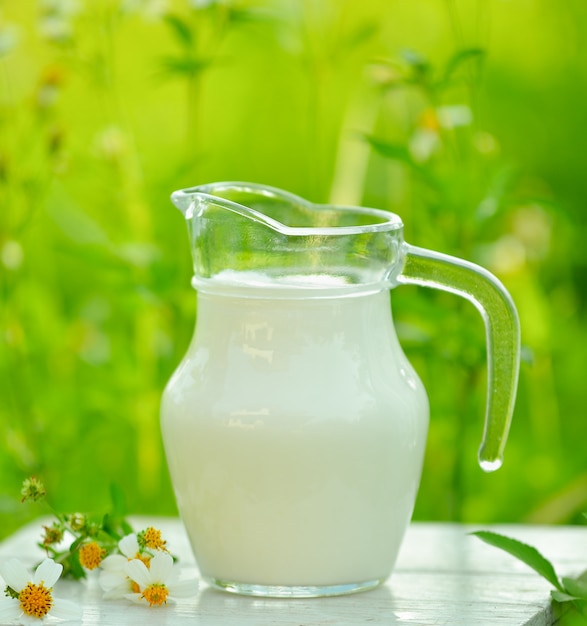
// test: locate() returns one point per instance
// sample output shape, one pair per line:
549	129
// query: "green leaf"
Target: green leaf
417	62
459	59
118	500
76	224
75	544
242	15
184	65
525	553
399	152
126	527
500	185
72	566
360	35
104	537
393	151
560	596
576	587
572	612
112	529
180	29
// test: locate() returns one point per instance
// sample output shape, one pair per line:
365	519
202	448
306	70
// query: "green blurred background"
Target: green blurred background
468	118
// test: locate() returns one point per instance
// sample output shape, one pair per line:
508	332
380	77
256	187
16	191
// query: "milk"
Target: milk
294	430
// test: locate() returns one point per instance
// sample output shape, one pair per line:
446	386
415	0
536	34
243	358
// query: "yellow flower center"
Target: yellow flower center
90	555
155	594
152	538
35	600
134	587
145	558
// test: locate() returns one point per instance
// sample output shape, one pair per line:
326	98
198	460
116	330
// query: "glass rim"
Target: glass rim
384	221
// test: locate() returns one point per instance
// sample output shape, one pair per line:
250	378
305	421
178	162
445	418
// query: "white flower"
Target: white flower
204	4
56	20
113	579
32	600
423	143
140	576
454	116
61	7
9	35
129	546
11	254
150	9
159	582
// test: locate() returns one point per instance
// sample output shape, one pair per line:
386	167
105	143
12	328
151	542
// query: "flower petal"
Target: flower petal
129	545
116	593
15	574
48	573
65	609
9	610
135	597
160	567
109	581
114	563
136	570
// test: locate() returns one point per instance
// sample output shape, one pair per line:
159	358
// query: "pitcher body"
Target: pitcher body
295	428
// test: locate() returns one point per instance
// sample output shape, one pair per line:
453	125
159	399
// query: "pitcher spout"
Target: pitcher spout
255	233
184	200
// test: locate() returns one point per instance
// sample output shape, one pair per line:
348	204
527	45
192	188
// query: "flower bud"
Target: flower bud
32	489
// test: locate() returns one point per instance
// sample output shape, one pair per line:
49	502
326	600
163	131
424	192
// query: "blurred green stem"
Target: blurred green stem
194	95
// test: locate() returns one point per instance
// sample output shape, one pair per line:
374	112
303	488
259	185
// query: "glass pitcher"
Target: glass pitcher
294	428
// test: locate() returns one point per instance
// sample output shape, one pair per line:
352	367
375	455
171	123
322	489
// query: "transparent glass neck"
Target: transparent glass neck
250	235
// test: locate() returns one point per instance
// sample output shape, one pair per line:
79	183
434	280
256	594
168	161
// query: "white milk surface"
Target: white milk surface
294	430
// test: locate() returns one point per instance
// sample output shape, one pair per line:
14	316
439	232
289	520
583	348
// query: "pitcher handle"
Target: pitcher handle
440	271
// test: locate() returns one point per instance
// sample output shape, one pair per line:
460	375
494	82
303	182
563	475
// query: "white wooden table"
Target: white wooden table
443	577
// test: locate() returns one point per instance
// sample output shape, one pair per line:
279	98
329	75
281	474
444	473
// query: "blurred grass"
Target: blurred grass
464	118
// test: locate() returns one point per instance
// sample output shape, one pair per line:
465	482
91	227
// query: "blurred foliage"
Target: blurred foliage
466	118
